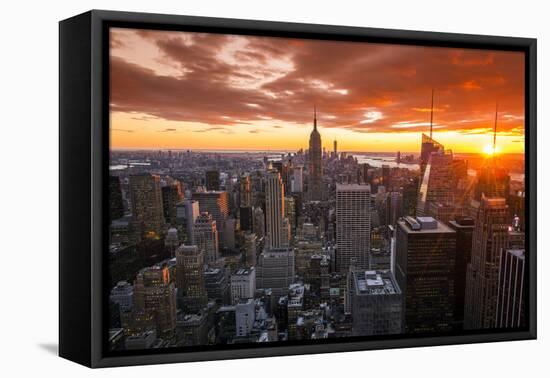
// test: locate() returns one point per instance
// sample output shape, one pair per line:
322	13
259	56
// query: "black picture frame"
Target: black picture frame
83	167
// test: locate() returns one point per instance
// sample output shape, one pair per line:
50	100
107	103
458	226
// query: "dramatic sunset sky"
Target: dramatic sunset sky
208	91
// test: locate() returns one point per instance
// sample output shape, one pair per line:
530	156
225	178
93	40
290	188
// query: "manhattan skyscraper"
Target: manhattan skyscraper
315	166
490	236
277	231
353	225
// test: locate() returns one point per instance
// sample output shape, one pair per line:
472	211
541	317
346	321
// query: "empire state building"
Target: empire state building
315	163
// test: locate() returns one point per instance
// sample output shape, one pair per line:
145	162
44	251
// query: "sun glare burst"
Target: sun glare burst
490	150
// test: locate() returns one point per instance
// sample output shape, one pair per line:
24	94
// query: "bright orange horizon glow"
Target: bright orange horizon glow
180	90
490	150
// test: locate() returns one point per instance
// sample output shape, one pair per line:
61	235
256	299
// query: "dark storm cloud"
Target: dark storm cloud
362	87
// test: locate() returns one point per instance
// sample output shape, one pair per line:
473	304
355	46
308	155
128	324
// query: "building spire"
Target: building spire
314	117
432	115
495	131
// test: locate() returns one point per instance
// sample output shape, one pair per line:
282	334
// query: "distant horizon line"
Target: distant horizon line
234	150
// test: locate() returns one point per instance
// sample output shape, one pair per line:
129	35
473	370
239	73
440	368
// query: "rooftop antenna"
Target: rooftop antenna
495	133
495	130
432	115
314	117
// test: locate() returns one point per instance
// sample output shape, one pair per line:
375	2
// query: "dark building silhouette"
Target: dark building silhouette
464	228
315	168
146	200
492	181
425	264
115	198
212	180
386	177
171	196
246	218
410	196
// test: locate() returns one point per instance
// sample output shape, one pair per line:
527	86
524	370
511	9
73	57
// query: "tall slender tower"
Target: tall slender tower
428	145
275	209
245	194
436	184
315	162
489	238
353	225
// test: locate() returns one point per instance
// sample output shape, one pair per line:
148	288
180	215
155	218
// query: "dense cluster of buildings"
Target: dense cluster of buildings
245	247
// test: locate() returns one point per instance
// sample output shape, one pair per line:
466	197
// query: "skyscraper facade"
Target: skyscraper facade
245	315
464	228
428	146
275	270
353	225
250	249
512	289
245	195
146	201
116	204
376	303
258	223
243	284
155	294
171	196
190	278
436	183
215	203
212	180
206	237
276	234
192	212
297	185
490	236
425	263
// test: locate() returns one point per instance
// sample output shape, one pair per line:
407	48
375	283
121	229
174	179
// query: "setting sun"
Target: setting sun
490	150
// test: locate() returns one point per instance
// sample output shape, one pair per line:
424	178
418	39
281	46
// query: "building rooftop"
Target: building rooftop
244	272
459	222
210	270
352	187
296	295
122	222
226	309
191	319
519	253
423	225
371	282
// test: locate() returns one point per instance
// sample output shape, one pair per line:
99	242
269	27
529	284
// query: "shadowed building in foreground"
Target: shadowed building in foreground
425	266
376	303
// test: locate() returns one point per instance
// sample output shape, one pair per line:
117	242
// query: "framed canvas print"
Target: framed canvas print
234	188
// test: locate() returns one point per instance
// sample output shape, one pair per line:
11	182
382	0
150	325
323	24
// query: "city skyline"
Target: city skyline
171	89
241	247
